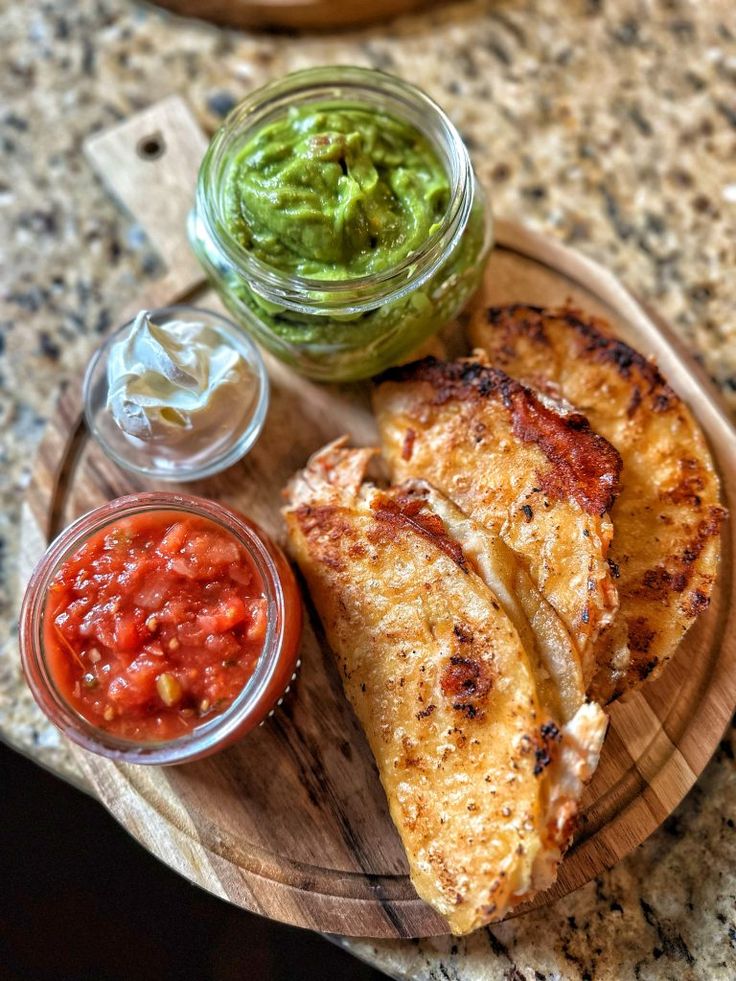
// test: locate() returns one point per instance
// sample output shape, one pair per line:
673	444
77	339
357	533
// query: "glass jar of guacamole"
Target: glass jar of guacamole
339	218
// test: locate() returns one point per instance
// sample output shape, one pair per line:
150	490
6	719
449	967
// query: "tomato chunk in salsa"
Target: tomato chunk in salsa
155	624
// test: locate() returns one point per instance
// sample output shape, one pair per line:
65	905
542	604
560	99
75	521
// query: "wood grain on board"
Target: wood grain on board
292	822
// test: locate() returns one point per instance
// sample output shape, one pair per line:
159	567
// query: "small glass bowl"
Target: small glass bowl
154	459
275	670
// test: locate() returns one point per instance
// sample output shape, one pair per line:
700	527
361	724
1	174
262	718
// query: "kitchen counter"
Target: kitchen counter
611	126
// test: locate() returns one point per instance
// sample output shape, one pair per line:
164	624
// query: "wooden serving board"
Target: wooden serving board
292	822
319	15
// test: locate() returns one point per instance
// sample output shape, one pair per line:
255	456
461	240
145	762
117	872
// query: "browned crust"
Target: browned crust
397	510
658	582
677	580
392	511
584	465
519	319
547	746
407	448
466	682
326	524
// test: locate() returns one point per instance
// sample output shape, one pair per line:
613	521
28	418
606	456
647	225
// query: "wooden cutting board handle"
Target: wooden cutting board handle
150	164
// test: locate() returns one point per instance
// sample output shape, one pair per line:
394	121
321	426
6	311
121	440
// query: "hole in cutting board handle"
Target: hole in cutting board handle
151	147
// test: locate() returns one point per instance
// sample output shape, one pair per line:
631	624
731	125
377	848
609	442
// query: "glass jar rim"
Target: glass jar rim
338	83
232	453
221	729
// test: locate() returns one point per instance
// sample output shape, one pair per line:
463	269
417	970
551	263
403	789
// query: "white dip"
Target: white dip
176	381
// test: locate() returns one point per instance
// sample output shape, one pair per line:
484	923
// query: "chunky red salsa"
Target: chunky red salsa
155	624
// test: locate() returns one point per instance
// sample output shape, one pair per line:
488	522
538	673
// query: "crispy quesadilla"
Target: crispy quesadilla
541	631
482	776
534	474
667	518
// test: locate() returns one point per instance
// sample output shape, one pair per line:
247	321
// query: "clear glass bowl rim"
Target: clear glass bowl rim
233	453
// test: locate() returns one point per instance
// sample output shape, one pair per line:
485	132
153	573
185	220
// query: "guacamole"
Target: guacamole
349	347
335	192
339	192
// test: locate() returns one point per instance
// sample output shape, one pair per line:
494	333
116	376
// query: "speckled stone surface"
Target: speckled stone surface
611	125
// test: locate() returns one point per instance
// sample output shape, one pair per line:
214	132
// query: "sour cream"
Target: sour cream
175	381
177	393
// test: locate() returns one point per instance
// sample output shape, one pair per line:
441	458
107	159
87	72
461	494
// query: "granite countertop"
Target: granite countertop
611	126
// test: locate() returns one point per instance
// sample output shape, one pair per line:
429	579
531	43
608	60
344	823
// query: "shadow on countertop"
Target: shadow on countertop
80	900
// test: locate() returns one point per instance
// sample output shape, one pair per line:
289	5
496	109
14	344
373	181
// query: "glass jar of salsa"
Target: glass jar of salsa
338	215
160	628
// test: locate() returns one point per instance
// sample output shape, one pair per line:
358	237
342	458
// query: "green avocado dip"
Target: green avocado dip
363	249
335	193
